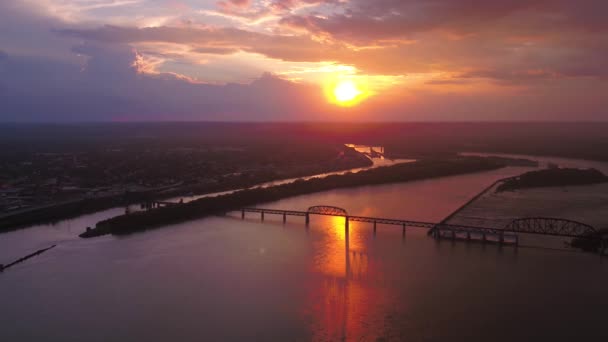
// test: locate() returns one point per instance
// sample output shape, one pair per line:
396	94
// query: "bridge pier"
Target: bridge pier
403	230
284	217
374	228
501	238
262	215
483	237
242	214
435	233
347	245
468	236
307	219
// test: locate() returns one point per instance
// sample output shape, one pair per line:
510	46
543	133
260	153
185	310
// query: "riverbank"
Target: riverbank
473	199
65	210
553	177
425	169
497	159
582	203
209	261
70	209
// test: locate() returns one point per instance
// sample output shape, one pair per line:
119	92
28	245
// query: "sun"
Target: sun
346	91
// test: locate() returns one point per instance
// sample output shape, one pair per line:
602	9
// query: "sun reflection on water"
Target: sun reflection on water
342	295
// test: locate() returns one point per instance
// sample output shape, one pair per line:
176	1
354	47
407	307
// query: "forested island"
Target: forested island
204	207
553	177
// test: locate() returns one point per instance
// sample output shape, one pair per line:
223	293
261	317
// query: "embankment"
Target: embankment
221	204
74	208
553	177
462	207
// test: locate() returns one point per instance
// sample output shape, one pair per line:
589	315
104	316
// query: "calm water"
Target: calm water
224	279
377	162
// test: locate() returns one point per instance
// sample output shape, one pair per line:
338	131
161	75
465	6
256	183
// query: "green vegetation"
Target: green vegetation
221	204
553	177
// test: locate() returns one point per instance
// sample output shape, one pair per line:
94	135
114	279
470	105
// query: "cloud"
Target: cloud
369	21
288	5
401	36
405	37
513	76
454	59
213	39
109	87
235	3
254	12
384	37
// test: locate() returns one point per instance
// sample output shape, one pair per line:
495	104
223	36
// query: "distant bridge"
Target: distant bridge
507	235
550	226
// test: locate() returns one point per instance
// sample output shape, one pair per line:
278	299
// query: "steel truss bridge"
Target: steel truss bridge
507	235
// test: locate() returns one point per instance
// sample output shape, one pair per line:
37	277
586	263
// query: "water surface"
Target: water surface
226	279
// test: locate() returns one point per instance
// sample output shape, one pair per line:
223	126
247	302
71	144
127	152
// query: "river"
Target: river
225	279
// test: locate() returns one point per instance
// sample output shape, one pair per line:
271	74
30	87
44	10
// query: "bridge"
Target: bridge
550	226
506	235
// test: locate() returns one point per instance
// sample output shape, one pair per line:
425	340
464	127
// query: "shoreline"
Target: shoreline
469	202
424	169
584	203
51	213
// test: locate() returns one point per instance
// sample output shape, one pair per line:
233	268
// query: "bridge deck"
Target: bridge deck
381	220
454	230
276	211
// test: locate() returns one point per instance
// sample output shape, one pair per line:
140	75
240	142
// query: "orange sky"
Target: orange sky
408	60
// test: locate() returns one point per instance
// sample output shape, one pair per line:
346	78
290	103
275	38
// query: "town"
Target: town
98	169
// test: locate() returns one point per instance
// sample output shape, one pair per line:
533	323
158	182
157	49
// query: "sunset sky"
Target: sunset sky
255	60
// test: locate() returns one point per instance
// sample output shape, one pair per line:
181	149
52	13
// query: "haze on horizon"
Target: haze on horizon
281	60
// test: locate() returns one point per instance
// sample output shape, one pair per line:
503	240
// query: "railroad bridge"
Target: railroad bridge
326	210
507	235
